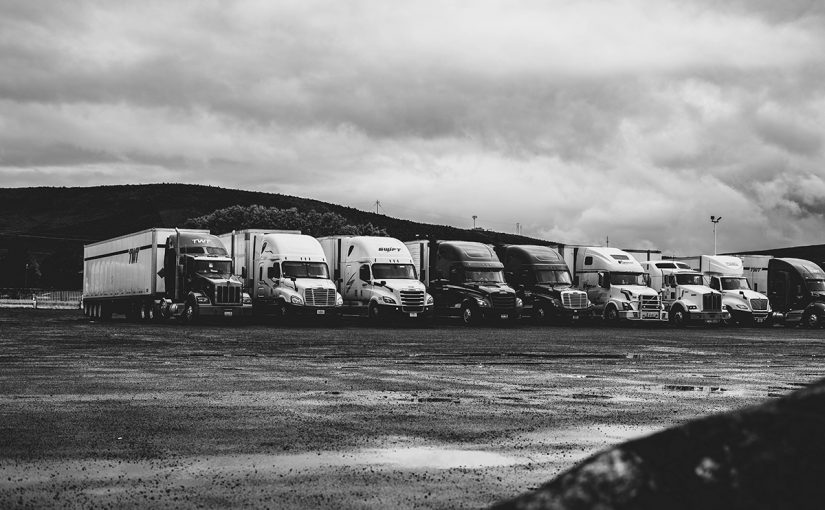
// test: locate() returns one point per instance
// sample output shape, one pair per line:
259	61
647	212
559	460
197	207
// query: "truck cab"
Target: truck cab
617	286
684	293
466	280
725	274
542	280
198	279
376	277
796	288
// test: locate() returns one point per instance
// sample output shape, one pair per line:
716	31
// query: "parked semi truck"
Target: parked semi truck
162	273
725	273
376	277
796	288
285	272
617	285
684	293
542	280
465	279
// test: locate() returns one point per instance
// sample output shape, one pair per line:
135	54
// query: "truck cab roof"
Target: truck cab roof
469	254
293	247
605	258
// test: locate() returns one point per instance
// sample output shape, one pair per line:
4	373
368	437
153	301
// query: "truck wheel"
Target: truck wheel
470	315
611	315
732	321
374	313
190	313
810	320
677	316
541	314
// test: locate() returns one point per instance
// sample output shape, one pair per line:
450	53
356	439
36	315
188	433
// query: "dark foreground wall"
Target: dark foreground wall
766	457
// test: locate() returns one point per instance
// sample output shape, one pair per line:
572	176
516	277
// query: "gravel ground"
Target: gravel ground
163	415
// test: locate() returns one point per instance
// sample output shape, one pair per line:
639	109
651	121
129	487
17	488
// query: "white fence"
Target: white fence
40	298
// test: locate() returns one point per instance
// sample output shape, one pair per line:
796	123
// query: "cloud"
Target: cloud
578	120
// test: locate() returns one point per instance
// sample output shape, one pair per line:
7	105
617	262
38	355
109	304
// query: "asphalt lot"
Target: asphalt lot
352	416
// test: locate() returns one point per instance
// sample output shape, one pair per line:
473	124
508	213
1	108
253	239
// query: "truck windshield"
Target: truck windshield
393	272
627	279
689	279
305	270
815	285
552	276
483	276
735	284
220	268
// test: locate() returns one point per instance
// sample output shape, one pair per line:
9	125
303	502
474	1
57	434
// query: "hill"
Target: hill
43	230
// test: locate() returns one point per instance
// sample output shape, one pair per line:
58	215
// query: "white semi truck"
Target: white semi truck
162	273
725	274
617	285
285	272
685	294
376	277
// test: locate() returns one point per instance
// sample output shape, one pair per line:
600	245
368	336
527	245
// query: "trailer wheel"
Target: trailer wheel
470	315
677	316
190	313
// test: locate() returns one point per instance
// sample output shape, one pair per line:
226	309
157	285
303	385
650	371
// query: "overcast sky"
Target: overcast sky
579	120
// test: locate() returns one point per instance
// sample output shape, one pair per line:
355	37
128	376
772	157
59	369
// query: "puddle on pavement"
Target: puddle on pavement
689	387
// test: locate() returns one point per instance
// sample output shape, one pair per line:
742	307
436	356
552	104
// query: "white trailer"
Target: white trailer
161	272
616	284
725	274
376	277
285	272
755	270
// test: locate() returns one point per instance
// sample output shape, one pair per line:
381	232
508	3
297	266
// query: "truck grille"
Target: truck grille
503	301
412	300
227	295
574	299
319	297
650	303
712	302
759	305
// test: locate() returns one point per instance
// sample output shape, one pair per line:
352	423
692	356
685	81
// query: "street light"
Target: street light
715	220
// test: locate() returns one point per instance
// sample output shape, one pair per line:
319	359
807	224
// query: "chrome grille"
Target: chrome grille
503	301
650	303
319	297
412	300
712	302
759	305
574	299
227	295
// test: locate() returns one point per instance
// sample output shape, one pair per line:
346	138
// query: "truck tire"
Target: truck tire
678	316
810	320
541	313
190	313
611	315
470	314
374	313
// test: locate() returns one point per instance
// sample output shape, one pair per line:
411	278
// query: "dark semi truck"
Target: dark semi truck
796	289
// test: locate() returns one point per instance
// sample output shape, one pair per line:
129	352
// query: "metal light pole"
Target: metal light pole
715	220
474	220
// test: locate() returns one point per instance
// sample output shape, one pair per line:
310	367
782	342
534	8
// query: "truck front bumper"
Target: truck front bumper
406	311
499	314
644	315
225	311
313	311
710	317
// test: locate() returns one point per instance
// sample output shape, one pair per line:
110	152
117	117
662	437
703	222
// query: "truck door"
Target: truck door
779	290
365	288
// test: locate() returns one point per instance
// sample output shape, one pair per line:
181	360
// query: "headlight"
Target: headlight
483	303
339	301
692	307
247	299
556	303
430	299
741	307
626	305
296	300
388	300
202	299
519	302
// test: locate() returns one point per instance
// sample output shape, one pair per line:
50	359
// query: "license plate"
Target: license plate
320	312
650	315
505	316
413	314
227	314
759	319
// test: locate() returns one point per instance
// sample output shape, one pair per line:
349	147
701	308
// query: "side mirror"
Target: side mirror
646	279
